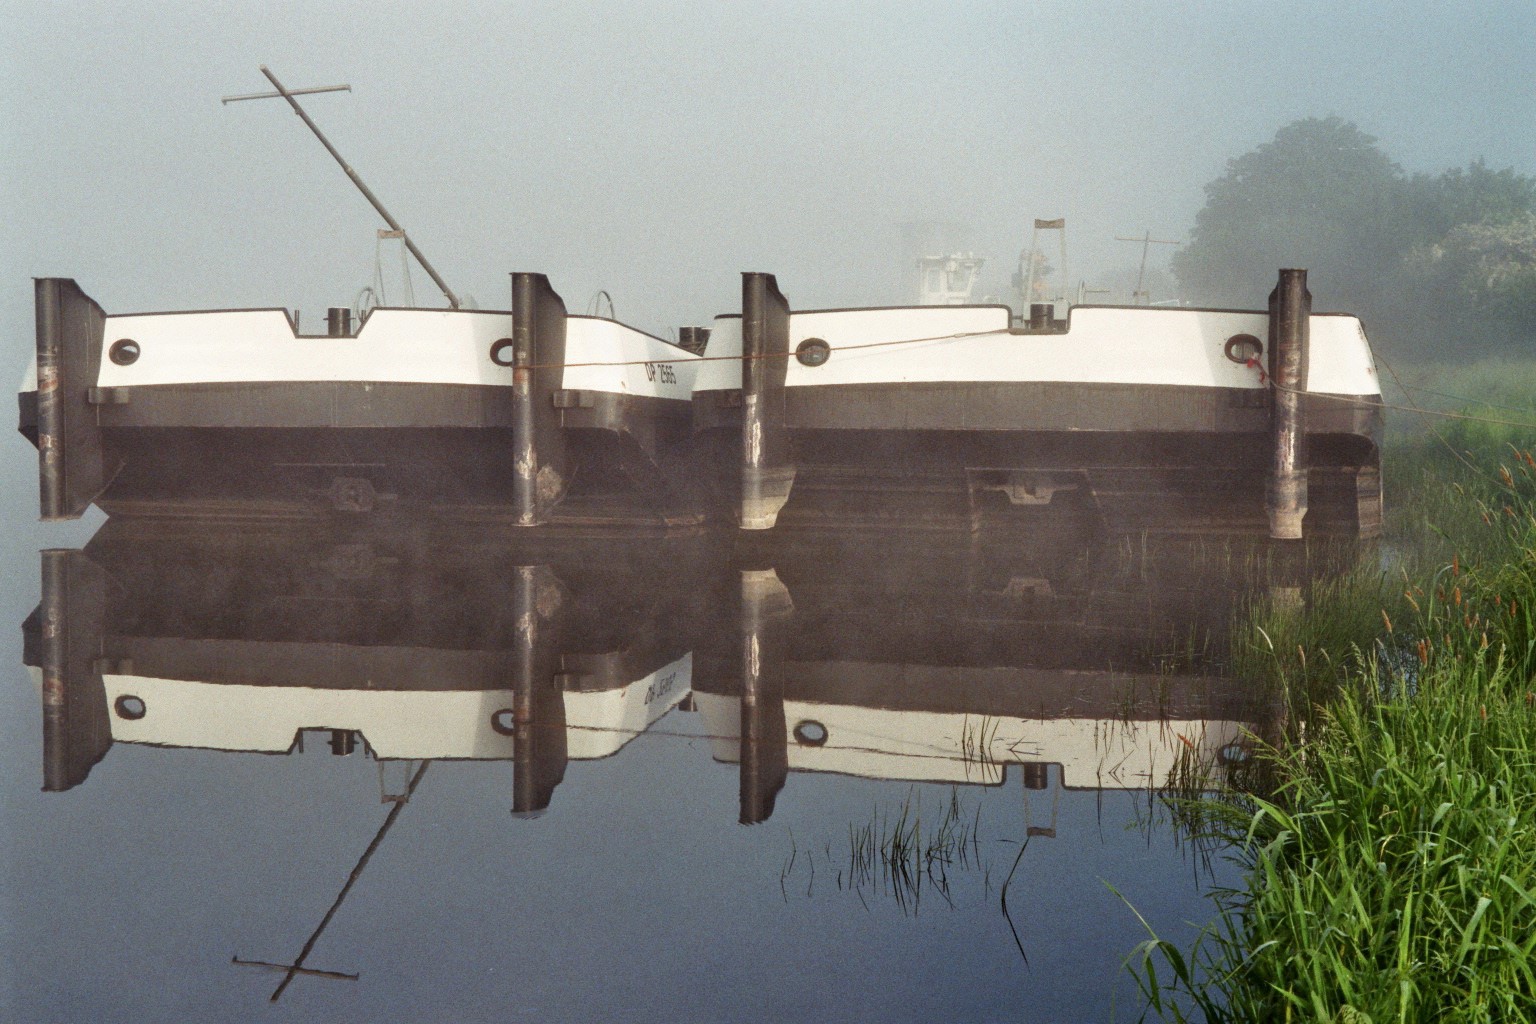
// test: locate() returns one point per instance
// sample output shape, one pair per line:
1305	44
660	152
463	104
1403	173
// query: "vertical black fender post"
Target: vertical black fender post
538	358
765	613
1285	493
70	327
767	467
77	730
539	748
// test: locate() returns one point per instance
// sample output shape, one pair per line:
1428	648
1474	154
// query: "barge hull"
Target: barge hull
234	413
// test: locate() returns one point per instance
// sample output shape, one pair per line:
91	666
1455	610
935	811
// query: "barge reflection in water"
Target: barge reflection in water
937	659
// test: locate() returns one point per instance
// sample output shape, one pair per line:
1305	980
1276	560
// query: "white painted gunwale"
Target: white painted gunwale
414	346
1102	345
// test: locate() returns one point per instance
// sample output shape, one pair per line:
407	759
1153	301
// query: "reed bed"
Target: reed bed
1388	838
901	853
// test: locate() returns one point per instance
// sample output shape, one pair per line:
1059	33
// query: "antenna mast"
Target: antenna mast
1140	297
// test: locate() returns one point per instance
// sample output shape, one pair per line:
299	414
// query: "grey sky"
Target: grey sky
656	150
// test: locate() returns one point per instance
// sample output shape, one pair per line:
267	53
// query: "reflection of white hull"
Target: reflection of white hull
408	724
924	746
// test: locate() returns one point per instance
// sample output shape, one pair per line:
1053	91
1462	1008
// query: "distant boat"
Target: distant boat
938	413
235	412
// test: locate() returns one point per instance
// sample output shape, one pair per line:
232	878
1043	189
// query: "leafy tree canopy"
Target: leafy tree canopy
1421	256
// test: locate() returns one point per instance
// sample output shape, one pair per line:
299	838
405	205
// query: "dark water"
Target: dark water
589	719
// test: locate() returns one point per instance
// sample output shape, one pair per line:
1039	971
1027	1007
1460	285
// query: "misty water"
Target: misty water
630	776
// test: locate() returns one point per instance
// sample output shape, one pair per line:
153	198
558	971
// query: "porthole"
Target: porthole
1241	348
503	352
504	721
810	734
813	352
1234	754
124	352
130	707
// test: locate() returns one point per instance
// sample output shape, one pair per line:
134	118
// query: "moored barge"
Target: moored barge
531	413
1258	419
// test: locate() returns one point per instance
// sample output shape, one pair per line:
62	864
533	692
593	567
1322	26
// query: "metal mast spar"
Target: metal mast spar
1027	275
1147	241
289	94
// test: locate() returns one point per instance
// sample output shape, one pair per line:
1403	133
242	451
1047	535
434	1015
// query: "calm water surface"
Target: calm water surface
601	777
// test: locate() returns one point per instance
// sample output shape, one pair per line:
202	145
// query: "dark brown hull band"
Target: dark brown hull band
361	404
293	448
373	668
1042	406
1011	691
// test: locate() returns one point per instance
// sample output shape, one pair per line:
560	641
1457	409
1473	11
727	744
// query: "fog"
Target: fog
657	150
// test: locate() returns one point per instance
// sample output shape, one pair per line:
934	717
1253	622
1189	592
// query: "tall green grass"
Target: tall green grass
1389	842
1484	391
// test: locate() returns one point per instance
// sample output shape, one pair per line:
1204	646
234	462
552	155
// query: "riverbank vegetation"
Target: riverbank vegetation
1388	837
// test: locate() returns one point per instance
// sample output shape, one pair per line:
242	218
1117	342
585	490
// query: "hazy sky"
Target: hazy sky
657	149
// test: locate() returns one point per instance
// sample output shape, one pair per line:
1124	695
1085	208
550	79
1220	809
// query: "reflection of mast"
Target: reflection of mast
297	967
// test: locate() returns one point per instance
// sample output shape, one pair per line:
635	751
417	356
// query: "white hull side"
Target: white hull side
419	346
1103	345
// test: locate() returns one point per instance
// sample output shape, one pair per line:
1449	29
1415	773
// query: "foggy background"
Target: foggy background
657	150
653	150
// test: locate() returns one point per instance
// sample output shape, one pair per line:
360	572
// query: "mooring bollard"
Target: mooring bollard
338	322
538	352
1285	493
767	471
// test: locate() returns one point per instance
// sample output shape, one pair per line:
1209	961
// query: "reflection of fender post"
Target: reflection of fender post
538	357
764	758
76	730
69	455
538	704
767	471
1285	495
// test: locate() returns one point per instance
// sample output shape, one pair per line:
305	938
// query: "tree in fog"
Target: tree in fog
1483	272
1320	195
1440	265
